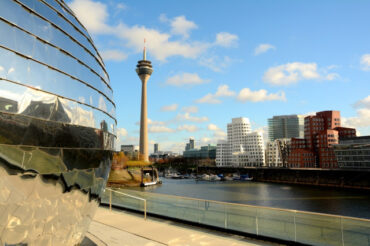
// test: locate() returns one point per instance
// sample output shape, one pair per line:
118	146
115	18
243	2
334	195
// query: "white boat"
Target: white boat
246	177
228	178
236	176
205	177
213	177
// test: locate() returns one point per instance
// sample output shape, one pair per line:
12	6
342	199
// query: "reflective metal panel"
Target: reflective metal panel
57	125
24	44
42	77
14	13
46	106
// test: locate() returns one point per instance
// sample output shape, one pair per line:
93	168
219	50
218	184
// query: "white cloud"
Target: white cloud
186	79
158	43
161	45
181	26
188	117
362	119
222	91
152	122
121	132
217	132
216	63
121	6
113	55
364	102
167	108
220	135
226	39
291	73
93	15
331	76
365	62
262	48
209	98
163	18
188	128
206	141
160	129
212	127
247	94
190	109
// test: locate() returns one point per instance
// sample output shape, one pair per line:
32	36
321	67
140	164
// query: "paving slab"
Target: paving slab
120	227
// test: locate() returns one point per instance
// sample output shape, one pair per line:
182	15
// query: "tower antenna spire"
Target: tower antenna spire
144	52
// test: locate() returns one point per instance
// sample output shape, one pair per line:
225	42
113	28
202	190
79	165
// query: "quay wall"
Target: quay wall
343	178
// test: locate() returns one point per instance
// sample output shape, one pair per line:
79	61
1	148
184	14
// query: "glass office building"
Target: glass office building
353	152
57	124
286	126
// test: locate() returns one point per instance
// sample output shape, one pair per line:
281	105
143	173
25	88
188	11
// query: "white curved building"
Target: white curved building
243	147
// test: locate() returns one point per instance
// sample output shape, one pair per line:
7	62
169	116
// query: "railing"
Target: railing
290	225
126	195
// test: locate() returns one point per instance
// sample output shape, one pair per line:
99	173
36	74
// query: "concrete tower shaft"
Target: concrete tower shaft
144	70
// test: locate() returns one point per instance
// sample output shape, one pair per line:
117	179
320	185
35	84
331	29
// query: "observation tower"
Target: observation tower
144	70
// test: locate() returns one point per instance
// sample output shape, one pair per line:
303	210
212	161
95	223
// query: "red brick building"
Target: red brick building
321	132
300	155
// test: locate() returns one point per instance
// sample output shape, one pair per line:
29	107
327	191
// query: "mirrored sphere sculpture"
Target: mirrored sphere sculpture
57	124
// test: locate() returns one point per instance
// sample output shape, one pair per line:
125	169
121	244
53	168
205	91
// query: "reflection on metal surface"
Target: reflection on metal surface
57	124
36	103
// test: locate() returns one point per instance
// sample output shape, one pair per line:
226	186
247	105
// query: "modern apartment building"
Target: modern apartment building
243	147
286	126
321	132
223	153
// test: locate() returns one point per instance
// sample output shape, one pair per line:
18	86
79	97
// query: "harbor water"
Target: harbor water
354	203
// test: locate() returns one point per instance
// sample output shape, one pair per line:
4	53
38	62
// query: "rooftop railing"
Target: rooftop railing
284	224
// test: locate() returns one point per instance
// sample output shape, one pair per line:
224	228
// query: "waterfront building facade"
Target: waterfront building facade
205	152
57	124
286	126
353	152
277	152
300	156
243	148
321	132
223	153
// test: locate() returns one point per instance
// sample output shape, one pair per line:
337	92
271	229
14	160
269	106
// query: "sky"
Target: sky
217	60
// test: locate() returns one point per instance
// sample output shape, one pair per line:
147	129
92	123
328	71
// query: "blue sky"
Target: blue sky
215	60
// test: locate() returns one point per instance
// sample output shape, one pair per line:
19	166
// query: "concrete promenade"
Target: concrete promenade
125	228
